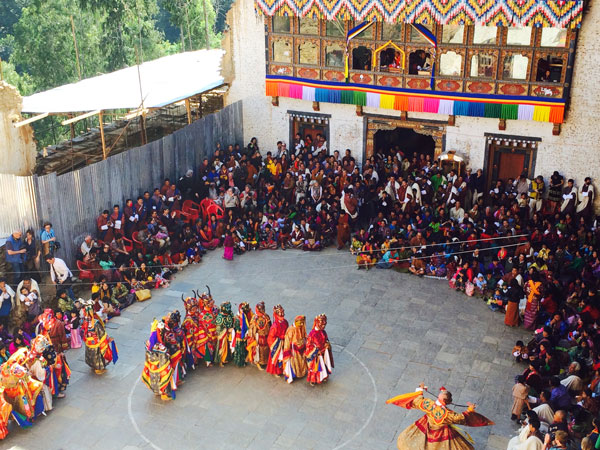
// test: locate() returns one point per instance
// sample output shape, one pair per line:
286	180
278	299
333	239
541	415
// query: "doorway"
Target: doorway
509	158
407	140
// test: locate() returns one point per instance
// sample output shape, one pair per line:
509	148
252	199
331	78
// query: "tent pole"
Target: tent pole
101	124
188	108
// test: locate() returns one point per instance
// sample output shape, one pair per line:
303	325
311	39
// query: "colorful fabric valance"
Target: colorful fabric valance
437	102
538	13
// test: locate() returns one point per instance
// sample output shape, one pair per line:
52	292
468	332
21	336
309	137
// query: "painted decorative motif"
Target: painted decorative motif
281	70
389	81
547	91
479	87
418	83
313	74
516	13
449	85
513	89
361	78
331	75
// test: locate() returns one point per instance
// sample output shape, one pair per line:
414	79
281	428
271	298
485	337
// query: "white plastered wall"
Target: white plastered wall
574	152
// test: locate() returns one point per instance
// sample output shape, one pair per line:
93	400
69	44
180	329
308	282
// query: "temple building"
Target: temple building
506	85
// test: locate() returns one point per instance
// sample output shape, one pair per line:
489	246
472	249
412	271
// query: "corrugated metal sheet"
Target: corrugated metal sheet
18	208
73	201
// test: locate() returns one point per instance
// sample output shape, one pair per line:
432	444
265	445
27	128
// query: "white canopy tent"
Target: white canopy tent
153	84
163	81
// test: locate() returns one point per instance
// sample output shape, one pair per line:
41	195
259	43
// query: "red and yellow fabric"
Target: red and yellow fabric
103	344
165	373
437	429
5	411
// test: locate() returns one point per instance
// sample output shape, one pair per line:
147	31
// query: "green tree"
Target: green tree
129	24
44	47
189	17
10	12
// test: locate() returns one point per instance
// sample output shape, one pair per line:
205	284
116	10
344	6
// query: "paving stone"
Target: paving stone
403	329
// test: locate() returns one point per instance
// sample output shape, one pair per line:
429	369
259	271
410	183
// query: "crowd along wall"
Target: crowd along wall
73	201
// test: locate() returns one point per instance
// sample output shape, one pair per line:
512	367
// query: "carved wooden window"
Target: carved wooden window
309	26
549	69
453	34
281	24
335	28
361	58
419	62
519	36
392	32
484	35
334	55
282	50
553	37
451	64
308	53
483	65
516	67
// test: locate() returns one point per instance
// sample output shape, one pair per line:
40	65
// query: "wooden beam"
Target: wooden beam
101	125
31	120
189	110
81	117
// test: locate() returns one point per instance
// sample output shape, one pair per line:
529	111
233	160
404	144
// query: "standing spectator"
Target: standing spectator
6	301
15	254
60	274
48	239
32	256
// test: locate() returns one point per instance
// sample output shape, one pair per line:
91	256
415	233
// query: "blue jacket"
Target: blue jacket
15	245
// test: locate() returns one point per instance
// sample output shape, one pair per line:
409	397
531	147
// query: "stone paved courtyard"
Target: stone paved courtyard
389	332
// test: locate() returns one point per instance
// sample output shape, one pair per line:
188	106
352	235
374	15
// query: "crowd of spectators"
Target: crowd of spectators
528	247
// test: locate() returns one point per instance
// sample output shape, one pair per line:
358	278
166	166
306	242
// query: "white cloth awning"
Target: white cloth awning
164	81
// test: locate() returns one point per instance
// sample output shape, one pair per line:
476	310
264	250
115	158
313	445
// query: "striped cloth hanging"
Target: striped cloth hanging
476	109
401	103
335	96
373	99
387	101
272	90
446	107
360	98
541	113
322	95
431	105
347	97
557	114
308	93
525	112
283	89
296	91
509	112
461	109
492	110
415	104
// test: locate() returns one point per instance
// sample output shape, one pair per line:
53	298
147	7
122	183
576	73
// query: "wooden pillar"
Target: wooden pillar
143	128
71	126
189	110
101	125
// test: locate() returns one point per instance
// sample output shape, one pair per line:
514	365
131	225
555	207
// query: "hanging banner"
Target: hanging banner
429	37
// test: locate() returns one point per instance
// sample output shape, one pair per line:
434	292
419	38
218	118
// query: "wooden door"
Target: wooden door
506	162
510	165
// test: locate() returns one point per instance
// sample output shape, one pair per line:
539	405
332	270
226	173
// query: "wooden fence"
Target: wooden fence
73	201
